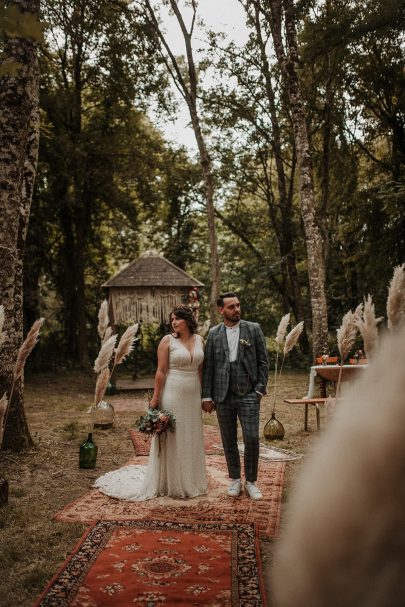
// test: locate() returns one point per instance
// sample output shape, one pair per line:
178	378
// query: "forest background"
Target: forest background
314	102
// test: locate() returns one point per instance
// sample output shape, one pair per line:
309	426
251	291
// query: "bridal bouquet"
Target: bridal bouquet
156	421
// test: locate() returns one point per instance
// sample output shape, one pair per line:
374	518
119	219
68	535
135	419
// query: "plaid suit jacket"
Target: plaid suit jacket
252	356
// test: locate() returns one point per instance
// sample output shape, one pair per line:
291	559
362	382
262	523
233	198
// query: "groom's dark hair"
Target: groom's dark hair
220	300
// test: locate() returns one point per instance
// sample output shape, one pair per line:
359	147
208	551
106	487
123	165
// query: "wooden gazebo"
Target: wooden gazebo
147	289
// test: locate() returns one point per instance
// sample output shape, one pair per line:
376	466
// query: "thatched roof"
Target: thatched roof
152	270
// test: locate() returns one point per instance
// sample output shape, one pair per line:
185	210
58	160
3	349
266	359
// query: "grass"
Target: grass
44	479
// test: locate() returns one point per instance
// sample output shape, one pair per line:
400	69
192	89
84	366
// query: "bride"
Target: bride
177	469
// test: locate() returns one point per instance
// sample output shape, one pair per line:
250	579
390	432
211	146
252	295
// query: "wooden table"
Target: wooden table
331	373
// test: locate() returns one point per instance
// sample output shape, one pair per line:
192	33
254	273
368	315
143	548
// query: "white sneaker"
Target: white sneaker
235	488
253	491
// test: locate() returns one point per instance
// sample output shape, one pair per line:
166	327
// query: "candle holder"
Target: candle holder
274	429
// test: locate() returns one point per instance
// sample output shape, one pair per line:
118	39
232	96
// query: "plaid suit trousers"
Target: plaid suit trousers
246	408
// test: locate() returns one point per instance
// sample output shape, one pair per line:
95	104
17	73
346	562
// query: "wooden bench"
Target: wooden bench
306	402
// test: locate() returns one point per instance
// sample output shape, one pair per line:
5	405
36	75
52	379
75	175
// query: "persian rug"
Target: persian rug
214	506
213	445
154	563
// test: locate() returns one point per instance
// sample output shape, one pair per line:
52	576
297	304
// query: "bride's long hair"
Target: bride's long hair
184	313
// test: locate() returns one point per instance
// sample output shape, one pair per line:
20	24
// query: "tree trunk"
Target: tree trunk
188	89
19	131
80	296
206	166
326	148
283	231
316	268
72	221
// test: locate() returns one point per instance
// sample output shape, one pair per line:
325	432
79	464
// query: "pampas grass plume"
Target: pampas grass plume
3	410
358	313
368	327
104	356
107	335
101	385
103	319
396	298
2	333
346	335
27	347
292	337
126	344
282	329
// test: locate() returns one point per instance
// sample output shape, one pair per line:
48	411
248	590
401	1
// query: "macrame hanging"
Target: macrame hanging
146	305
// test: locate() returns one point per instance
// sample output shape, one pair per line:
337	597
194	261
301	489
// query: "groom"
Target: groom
234	380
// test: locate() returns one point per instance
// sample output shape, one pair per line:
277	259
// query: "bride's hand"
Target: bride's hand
153	403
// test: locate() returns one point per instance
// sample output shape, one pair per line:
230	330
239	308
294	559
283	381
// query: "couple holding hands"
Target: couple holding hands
228	375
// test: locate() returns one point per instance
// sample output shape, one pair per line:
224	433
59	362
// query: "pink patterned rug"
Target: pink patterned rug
216	506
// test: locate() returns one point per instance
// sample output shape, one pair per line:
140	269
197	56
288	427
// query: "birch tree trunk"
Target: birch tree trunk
288	62
188	88
206	167
19	132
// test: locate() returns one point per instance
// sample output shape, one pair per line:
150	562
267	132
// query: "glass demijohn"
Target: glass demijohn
88	453
103	415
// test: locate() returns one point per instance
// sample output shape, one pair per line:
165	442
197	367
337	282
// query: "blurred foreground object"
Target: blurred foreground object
344	541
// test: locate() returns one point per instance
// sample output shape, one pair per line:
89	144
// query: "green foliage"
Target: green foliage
16	23
104	170
143	359
10	68
110	186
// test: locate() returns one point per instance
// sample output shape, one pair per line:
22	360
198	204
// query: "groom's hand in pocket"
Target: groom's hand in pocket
208	406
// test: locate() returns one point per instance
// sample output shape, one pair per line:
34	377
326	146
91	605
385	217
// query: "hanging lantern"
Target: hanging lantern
274	429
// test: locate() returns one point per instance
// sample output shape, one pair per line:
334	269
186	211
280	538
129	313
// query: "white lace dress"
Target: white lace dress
179	469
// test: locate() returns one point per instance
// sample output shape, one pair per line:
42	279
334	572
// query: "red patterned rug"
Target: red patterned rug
215	506
153	563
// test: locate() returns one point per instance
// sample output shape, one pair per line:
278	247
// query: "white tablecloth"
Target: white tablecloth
313	373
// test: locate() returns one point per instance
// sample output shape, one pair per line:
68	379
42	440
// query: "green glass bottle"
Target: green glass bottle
88	453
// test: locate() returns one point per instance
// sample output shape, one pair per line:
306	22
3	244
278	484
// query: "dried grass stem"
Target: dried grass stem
126	344
101	385
103	319
346	335
396	298
104	356
27	347
368	327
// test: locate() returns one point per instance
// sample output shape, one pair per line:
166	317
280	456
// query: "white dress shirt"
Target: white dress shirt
232	336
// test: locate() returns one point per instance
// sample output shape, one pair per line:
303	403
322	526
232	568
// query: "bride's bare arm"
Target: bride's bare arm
163	366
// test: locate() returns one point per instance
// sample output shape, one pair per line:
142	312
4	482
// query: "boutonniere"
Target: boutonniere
245	342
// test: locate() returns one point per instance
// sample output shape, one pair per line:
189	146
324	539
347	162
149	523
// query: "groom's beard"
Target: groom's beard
233	317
